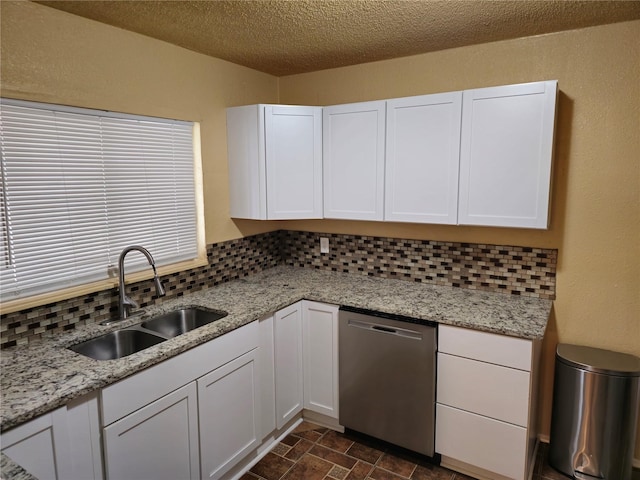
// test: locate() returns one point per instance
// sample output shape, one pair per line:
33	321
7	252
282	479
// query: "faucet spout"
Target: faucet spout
126	303
159	287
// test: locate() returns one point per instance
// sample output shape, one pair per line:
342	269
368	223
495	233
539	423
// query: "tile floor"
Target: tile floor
311	452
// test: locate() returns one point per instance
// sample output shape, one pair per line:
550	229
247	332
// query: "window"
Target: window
79	185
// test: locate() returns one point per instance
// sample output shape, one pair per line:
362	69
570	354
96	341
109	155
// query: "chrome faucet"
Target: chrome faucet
125	302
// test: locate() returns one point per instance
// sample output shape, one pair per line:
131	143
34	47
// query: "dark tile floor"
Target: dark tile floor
311	452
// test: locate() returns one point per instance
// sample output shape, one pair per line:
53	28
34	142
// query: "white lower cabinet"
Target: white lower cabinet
157	441
40	446
205	412
486	396
320	347
229	400
62	444
267	377
287	326
192	416
198	414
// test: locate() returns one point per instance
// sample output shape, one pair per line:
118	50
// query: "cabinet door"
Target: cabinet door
423	146
293	137
267	377
158	441
61	444
229	412
83	425
134	392
353	160
288	363
506	153
41	446
320	347
246	158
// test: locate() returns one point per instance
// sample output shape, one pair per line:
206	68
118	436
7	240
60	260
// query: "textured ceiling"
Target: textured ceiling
284	37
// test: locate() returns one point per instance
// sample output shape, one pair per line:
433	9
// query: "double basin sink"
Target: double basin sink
127	341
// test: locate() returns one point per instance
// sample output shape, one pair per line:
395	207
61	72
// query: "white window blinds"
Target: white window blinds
80	185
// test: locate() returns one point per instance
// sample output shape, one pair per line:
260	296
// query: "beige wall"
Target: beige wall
596	187
52	56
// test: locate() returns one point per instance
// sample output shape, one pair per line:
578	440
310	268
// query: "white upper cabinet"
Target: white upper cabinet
275	162
422	157
353	160
506	153
476	157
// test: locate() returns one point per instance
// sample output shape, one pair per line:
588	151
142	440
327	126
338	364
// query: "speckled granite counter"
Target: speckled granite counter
11	470
45	374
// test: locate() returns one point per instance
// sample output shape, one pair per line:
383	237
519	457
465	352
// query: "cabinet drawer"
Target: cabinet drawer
480	441
491	390
486	347
144	387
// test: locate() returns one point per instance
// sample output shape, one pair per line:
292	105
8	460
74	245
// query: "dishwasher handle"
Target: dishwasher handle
385	329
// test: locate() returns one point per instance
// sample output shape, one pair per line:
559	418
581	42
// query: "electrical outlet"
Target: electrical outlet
324	245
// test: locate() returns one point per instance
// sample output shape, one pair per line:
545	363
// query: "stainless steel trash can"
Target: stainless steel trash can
595	412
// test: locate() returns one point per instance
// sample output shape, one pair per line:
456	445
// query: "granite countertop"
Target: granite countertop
44	375
11	470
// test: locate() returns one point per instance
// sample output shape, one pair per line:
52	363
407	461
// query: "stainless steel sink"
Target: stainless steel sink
117	344
182	321
127	341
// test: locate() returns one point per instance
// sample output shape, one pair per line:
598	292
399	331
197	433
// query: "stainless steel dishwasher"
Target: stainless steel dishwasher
387	377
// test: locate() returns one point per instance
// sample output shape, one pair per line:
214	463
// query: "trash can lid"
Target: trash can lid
598	360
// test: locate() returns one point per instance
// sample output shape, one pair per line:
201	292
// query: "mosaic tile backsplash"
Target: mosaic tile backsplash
227	261
506	269
514	270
